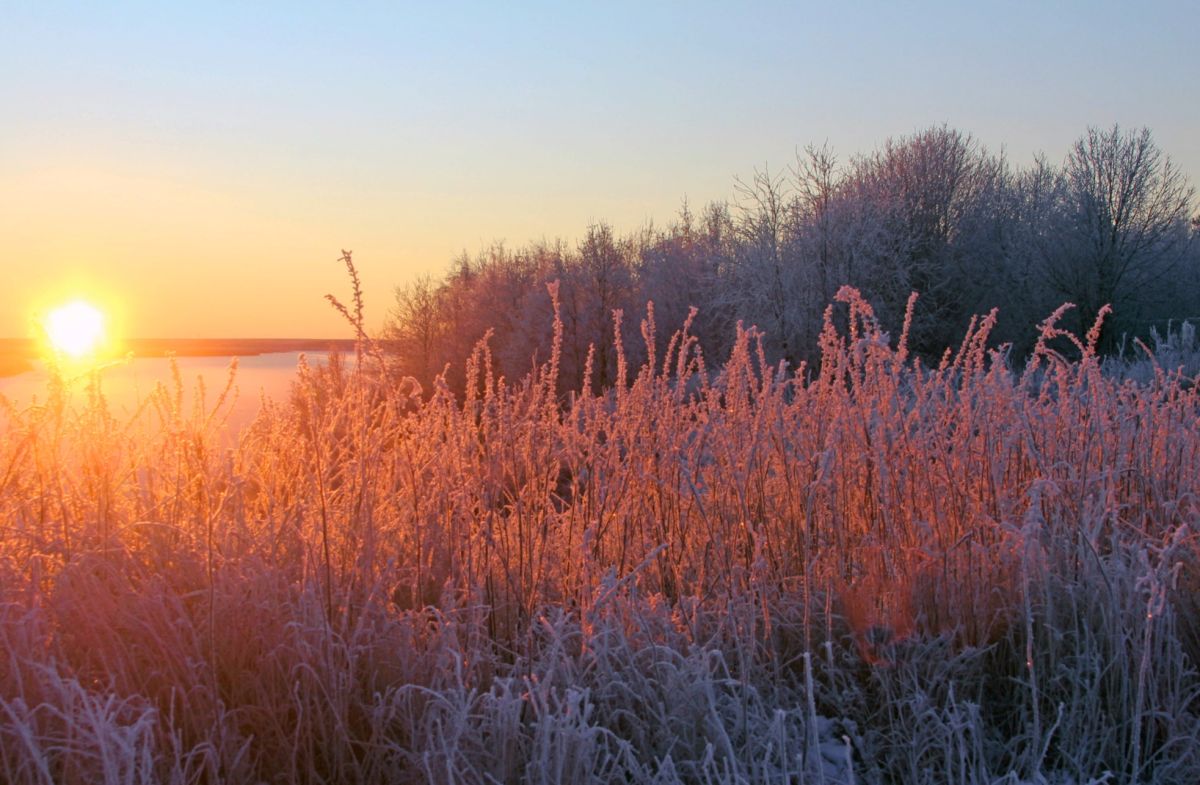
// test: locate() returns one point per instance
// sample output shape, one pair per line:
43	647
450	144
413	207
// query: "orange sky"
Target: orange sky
184	251
197	170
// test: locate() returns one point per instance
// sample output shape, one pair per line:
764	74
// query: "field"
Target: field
870	572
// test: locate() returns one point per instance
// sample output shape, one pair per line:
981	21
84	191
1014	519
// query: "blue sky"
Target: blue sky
185	160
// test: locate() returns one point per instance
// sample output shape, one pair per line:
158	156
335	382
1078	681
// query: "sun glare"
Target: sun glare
75	329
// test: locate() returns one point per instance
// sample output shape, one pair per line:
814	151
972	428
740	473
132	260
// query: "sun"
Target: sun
75	329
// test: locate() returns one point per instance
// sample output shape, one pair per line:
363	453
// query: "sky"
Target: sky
197	168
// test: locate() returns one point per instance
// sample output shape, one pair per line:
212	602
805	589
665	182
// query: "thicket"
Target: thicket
1114	224
880	572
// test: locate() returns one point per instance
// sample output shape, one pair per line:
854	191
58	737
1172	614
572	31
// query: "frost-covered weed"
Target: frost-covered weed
1175	351
872	573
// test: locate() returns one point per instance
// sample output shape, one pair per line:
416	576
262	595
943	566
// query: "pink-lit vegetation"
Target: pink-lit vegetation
873	571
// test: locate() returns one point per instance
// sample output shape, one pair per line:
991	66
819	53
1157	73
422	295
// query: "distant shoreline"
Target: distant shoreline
17	355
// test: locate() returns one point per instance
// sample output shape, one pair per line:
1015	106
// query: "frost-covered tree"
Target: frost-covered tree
415	329
934	194
605	270
765	281
933	212
1122	215
676	272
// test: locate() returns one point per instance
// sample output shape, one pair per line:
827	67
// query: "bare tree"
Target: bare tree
606	269
817	185
1124	210
931	192
676	272
415	329
765	274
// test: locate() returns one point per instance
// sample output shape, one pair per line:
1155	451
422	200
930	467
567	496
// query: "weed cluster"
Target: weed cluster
873	572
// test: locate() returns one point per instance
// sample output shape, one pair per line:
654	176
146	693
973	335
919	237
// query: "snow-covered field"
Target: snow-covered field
963	575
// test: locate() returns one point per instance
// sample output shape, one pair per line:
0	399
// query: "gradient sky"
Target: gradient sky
197	168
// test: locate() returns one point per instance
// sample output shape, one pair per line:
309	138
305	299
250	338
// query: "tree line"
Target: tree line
935	212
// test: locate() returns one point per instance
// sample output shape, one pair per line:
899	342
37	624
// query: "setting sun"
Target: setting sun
649	392
75	329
